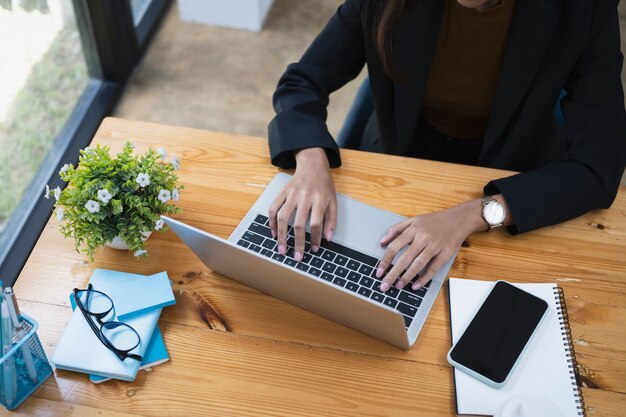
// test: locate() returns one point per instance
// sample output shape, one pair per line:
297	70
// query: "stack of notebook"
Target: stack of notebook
138	302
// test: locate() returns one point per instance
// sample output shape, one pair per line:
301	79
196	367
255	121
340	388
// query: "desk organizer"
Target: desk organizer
19	366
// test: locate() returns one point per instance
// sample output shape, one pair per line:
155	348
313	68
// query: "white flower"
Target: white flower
57	193
161	151
175	195
60	214
64	169
104	195
165	196
92	206
47	195
89	150
143	179
175	162
139	253
159	224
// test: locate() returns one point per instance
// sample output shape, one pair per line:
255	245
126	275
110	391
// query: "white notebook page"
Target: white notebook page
543	368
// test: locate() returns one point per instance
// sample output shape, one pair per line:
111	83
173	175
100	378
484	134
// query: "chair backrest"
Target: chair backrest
360	112
558	111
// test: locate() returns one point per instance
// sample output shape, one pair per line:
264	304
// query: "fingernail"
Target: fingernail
384	286
273	234
399	285
416	286
315	249
297	257
379	272
281	249
329	235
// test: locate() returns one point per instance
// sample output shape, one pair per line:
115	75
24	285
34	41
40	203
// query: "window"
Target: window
40	85
139	8
63	65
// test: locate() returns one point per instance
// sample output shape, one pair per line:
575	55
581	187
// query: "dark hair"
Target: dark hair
387	14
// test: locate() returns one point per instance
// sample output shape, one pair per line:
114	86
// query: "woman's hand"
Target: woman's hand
431	240
310	190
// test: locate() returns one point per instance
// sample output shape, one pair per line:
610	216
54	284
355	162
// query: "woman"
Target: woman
468	81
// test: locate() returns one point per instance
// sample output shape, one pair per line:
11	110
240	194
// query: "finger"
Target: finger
317	219
283	216
299	228
402	264
416	266
273	212
394	231
435	266
393	248
330	219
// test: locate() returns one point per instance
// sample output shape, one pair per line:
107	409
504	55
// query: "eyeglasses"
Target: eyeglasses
118	337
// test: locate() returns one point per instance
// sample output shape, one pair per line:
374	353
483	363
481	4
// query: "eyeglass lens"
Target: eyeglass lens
120	335
94	302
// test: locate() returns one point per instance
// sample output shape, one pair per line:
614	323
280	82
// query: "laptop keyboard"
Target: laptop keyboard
342	266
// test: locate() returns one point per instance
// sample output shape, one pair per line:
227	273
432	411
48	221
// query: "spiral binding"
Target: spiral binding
566	332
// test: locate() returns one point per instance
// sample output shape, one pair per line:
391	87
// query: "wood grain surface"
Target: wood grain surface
236	351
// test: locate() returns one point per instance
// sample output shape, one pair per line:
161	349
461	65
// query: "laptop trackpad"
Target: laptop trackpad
360	226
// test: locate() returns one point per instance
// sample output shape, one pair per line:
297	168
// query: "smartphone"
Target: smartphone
495	339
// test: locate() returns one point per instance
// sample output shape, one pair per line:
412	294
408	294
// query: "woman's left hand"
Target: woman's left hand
431	239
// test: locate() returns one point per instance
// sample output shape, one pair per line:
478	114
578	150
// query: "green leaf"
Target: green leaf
116	206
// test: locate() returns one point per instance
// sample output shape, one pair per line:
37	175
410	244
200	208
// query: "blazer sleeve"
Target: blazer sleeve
595	134
334	58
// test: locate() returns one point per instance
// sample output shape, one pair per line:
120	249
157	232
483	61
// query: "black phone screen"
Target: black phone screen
498	333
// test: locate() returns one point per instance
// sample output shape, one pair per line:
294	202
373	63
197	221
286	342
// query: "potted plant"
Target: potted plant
116	201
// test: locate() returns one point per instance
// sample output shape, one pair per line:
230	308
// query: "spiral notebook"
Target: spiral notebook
547	367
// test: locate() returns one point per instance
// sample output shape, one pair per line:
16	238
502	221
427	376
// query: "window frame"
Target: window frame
113	46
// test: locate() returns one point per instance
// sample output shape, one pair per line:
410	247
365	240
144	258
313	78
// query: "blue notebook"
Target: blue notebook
79	349
157	294
156	354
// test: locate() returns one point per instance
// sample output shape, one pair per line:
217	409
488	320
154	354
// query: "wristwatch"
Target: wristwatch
493	212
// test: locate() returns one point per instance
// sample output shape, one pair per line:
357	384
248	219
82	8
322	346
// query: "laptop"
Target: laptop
337	283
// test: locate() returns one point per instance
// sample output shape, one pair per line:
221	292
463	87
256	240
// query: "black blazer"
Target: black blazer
552	44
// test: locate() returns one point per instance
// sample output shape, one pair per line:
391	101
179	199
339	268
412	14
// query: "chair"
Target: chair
351	133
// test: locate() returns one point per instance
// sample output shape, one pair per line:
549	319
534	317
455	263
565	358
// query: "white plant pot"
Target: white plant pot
118	243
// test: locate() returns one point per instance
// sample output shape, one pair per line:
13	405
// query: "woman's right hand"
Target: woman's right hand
310	190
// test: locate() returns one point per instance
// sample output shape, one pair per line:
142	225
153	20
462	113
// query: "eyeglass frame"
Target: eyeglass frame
122	354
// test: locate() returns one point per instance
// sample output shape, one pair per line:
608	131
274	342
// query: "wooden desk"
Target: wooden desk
235	351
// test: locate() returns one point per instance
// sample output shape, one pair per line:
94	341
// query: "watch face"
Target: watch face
493	213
